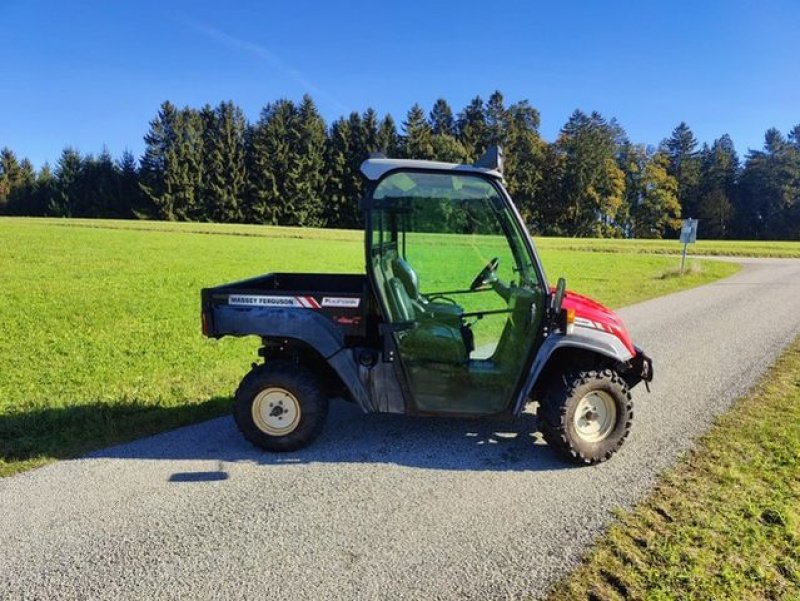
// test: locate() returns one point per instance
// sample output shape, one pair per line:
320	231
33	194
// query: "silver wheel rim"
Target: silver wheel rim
595	416
276	411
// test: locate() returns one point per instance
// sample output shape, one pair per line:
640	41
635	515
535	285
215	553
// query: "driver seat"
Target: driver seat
440	316
408	278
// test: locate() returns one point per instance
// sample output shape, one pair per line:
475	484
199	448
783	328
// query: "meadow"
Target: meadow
100	319
722	248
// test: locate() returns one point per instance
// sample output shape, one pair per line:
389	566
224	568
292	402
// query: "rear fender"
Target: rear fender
292	325
592	344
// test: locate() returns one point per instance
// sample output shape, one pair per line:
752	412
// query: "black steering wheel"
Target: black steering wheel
487	274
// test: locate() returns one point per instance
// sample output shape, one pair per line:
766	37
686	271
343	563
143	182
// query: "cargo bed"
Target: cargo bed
339	297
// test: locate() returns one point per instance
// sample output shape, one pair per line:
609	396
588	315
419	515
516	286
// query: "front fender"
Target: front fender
582	339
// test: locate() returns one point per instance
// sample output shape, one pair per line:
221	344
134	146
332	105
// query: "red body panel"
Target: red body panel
600	316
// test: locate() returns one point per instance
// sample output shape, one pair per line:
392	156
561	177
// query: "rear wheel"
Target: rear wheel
586	415
280	406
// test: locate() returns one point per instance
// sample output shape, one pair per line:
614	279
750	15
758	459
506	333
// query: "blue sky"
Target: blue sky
90	74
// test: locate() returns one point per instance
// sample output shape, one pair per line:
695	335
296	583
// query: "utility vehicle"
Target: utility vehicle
419	332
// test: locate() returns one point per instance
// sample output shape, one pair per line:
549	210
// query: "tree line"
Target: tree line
290	168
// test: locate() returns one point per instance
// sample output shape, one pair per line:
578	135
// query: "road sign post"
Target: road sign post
688	236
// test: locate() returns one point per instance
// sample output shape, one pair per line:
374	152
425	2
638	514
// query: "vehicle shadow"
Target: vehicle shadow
351	436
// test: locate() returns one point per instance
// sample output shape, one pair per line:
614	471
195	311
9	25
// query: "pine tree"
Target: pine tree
684	166
524	152
591	184
472	129
370	126
496	120
10	177
307	181
66	198
96	191
417	142
719	169
286	165
22	196
183	177
45	191
269	156
388	139
224	174
349	143
769	193
339	186
441	119
133	203
159	144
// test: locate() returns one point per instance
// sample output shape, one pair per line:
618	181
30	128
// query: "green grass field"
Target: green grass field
730	248
100	321
723	525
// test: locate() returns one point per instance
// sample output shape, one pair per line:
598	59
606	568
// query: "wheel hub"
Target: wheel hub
276	411
595	416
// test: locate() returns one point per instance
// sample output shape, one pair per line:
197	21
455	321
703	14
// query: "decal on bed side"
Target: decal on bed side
254	300
340	301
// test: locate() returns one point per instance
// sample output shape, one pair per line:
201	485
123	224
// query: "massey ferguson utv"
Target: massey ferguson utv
420	333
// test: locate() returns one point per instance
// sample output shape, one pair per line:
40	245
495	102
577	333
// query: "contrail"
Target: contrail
270	57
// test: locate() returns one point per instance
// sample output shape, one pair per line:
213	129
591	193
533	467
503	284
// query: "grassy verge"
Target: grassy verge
724	524
100	337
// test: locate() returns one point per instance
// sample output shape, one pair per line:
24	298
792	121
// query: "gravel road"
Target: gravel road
383	507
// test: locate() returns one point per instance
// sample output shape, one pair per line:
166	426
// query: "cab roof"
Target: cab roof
491	164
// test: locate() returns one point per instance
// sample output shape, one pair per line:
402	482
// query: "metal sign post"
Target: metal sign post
688	236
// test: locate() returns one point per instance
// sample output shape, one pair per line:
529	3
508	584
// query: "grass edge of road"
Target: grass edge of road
724	523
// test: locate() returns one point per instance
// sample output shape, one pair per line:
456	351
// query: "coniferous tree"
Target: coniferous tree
268	159
370	127
388	139
441	119
224	174
591	184
719	169
133	202
10	177
472	129
357	141
524	157
22	196
286	162
496	120
684	166
183	177
307	177
97	188
418	137
66	198
769	196
339	186
160	141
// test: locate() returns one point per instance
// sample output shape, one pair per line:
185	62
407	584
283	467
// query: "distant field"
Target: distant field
733	248
100	320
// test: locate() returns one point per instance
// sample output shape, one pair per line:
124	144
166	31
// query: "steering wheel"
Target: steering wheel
487	275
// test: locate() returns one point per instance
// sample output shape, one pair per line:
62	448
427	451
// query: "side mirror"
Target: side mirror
558	296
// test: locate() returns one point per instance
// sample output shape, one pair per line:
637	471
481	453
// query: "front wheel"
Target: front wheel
586	415
280	406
